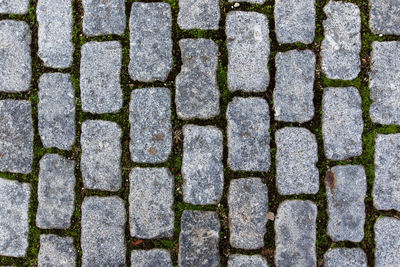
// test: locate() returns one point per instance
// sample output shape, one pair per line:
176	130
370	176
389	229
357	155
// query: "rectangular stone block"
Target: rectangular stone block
387	240
194	14
351	257
56	251
238	260
152	257
19	7
384	16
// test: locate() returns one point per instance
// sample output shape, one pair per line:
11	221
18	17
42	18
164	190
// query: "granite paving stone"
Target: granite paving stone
387	240
237	260
19	7
56	251
345	257
151	258
204	15
384	16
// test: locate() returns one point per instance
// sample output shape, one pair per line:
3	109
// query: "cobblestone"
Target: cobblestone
237	260
351	257
14	6
195	14
249	1
56	251
150	258
384	16
387	240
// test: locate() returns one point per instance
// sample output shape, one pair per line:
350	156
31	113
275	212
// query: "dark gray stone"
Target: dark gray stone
384	16
56	251
237	260
387	240
14	6
345	257
151	258
199	238
194	14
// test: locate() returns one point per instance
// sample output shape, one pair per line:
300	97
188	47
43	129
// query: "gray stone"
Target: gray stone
340	50
248	134
199	238
150	41
56	251
151	199
103	231
103	17
295	21
15	56
346	209
194	14
56	111
101	155
297	156
14	6
295	240
249	1
55	32
342	123
151	258
387	240
237	260
384	83
55	192
150	125
202	167
248	207
197	94
293	94
386	190
16	136
100	81
384	16
248	51
14	219
345	257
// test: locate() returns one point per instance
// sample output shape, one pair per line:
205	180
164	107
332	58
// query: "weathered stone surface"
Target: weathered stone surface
248	134
101	155
346	209
342	123
293	94
384	16
248	51
14	6
340	50
387	240
56	193
295	229
56	251
197	94
295	21
100	77
297	156
386	191
16	136
103	222
56	111
15	56
150	121
14	224
103	17
195	14
151	258
202	167
248	207
150	41
346	257
237	260
151	199
55	32
384	82
198	240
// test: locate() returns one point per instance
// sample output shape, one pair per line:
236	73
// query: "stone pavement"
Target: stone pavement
199	133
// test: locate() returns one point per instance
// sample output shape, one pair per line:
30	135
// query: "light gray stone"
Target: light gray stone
151	199
197	94
15	56
384	16
56	251
202	167
56	111
249	1
202	15
14	219
386	190
150	41
248	134
248	207
101	155
346	209
237	260
295	21
103	231
384	83
345	257
16	136
56	192
150	125
340	50
342	123
14	6
100	81
387	240
151	258
295	239
199	238
55	32
293	94
248	51
103	17
297	156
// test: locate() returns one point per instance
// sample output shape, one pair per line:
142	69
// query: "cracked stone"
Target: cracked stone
387	240
349	257
204	15
384	16
56	251
237	260
151	258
